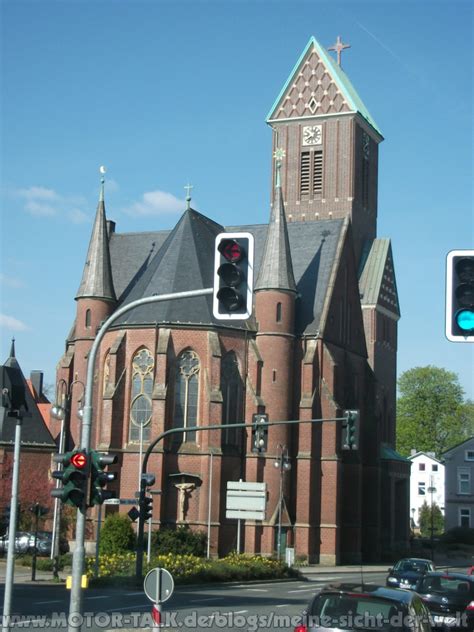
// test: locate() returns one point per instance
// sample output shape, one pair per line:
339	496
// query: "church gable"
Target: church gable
316	87
377	281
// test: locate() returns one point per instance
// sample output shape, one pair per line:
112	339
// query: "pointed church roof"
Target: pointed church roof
317	86
184	262
97	275
377	283
276	269
34	431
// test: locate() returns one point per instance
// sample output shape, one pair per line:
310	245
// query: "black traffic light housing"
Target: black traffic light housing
100	478
259	433
350	430
233	276
146	509
74	477
460	296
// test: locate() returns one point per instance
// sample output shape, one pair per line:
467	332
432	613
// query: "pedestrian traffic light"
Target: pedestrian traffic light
100	478
460	296
73	476
350	430
259	433
233	276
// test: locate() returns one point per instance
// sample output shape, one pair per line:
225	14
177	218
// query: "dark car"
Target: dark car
406	573
365	607
450	598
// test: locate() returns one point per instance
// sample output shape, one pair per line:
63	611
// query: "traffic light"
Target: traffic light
100	478
460	296
233	276
73	476
259	433
350	430
146	508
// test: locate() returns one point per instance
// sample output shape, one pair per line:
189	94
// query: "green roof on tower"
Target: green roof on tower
317	86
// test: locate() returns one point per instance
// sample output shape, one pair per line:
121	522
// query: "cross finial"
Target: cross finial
188	188
278	154
339	47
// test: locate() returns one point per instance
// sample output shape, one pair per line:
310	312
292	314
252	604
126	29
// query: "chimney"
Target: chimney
110	227
413	452
36	379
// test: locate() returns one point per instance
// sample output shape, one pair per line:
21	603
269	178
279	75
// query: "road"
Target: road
246	606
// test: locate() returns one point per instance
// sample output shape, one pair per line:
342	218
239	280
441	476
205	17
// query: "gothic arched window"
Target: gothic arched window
186	393
141	391
88	318
231	387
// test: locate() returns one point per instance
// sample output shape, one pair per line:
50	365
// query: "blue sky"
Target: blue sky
165	93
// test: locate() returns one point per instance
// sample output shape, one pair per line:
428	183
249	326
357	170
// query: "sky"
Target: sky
165	93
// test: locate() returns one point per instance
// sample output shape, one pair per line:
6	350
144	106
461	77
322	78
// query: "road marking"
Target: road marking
206	599
240	611
302	590
131	594
42	602
97	597
283	605
258	589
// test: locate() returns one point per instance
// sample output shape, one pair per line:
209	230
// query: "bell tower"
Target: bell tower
331	143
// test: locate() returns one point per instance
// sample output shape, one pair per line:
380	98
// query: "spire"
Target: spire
12	349
12	361
276	269
97	276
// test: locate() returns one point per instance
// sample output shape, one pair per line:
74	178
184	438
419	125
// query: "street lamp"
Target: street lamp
61	410
282	462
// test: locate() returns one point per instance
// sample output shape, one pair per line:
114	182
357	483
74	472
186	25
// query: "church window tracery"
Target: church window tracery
141	391
186	394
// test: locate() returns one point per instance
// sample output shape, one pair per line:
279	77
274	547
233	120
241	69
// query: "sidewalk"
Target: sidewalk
22	574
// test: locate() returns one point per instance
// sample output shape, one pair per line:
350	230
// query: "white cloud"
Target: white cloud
77	216
43	202
156	203
13	324
9	281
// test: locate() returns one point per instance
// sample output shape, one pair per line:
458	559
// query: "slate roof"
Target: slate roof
34	431
377	283
182	259
97	277
276	269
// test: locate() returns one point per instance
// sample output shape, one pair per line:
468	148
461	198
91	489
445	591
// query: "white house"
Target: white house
427	483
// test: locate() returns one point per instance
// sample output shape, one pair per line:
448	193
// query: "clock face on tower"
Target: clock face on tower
312	135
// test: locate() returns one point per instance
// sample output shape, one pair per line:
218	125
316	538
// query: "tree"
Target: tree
117	535
432	415
425	520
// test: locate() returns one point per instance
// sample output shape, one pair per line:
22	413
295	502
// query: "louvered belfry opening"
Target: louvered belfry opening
311	174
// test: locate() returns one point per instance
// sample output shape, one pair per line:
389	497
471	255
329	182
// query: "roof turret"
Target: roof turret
97	279
276	269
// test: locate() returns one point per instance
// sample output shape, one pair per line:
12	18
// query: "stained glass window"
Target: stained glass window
186	394
141	390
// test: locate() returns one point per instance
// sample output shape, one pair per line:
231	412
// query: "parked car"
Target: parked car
406	573
365	607
25	543
450	598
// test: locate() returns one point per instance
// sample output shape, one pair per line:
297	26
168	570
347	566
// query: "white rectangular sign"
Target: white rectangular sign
246	501
245	515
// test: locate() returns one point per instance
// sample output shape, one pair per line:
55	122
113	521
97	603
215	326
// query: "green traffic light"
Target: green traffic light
465	319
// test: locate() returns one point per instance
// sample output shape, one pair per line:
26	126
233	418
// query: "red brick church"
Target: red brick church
322	338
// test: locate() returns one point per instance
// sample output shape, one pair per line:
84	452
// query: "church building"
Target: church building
322	338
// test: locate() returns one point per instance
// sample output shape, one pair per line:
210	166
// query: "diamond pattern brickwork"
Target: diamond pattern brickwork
312	93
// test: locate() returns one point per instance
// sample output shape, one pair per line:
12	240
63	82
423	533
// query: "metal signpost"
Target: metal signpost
245	501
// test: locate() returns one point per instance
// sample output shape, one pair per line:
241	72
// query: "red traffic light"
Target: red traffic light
231	250
79	460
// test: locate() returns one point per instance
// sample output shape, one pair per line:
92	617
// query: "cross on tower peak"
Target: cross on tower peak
339	47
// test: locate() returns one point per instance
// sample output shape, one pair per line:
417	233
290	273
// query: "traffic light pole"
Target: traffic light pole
7	598
75	604
172	431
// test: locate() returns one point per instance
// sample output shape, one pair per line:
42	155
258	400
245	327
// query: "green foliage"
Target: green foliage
117	535
431	412
179	541
425	520
459	535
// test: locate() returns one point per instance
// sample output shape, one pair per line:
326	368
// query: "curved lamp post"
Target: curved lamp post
61	410
282	462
